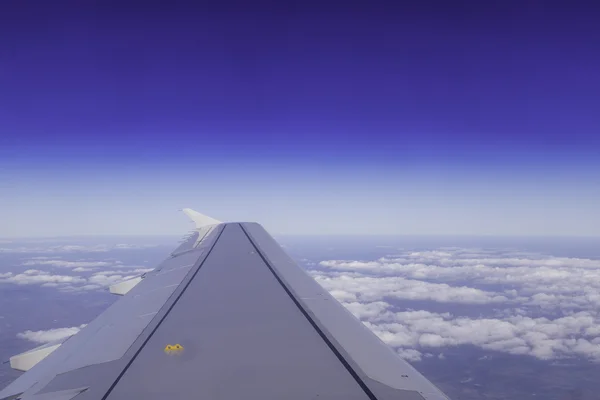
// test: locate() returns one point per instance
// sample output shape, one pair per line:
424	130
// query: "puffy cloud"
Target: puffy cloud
549	303
68	282
83	269
38	277
547	282
77	289
107	280
87	266
69	264
369	288
573	335
410	354
50	335
367	311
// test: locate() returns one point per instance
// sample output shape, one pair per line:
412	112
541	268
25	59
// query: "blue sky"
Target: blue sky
455	119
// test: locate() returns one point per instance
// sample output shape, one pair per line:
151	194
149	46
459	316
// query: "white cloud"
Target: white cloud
69	264
89	287
38	277
124	246
367	311
566	289
56	249
50	335
124	272
72	283
87	266
74	248
574	335
410	354
369	289
33	272
548	282
79	289
107	280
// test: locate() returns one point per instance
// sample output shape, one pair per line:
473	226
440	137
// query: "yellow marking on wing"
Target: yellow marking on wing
173	348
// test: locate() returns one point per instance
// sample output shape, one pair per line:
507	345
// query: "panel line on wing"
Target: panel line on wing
310	320
164	316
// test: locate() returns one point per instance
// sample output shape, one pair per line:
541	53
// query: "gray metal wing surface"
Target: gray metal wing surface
227	315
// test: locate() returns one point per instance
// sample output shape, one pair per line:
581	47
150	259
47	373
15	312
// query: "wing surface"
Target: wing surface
227	316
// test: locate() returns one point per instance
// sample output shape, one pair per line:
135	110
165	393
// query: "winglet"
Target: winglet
200	220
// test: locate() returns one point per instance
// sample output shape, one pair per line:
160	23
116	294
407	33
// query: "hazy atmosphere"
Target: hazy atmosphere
451	119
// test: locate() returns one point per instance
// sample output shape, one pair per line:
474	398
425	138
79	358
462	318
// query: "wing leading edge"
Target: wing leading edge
245	321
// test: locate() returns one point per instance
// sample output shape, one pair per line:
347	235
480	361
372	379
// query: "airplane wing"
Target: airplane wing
228	315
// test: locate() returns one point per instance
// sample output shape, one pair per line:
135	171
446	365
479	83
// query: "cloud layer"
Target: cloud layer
32	277
542	306
370	288
528	304
551	282
543	338
72	248
69	264
70	282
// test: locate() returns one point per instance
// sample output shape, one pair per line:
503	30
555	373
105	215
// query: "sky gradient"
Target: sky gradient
436	119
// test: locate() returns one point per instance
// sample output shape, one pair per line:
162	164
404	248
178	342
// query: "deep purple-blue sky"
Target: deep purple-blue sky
119	101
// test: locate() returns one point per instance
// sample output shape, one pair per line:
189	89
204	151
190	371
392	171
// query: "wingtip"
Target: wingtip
200	220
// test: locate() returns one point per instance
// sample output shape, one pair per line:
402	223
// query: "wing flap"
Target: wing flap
25	361
122	288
